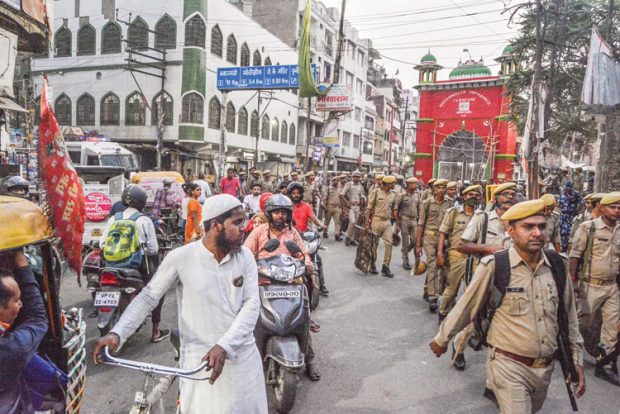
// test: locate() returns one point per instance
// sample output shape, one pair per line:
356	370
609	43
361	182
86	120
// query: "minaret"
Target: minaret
507	61
428	68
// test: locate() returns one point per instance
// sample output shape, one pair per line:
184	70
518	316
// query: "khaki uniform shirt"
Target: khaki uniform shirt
331	196
399	189
553	230
454	224
310	193
381	204
426	194
267	185
353	192
496	233
525	323
603	263
435	212
579	218
409	205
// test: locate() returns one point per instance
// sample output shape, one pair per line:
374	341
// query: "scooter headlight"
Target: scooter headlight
283	274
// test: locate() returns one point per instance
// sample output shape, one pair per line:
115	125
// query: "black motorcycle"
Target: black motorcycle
283	325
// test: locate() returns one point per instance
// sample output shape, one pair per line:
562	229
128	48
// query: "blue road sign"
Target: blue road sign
259	77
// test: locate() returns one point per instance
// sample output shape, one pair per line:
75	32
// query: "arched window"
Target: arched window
217	41
86	40
254	124
275	130
110	110
166	33
62	42
164	99
62	110
195	32
138	34
284	132
242	123
256	59
267	61
135	111
193	109
291	135
264	128
230	117
86	110
231	49
111	38
245	55
215	113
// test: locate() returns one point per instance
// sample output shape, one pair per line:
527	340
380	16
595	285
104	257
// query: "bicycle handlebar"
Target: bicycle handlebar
149	368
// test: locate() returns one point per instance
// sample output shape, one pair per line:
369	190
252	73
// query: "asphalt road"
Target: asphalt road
372	352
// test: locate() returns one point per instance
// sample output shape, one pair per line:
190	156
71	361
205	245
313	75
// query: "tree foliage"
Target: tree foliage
566	29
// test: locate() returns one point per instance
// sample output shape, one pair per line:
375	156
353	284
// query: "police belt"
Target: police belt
431	232
528	361
409	217
381	218
598	282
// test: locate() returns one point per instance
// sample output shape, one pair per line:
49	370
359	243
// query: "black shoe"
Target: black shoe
312	372
354	243
386	271
440	317
459	361
163	334
325	236
347	242
373	269
338	238
324	291
425	296
607	374
406	266
490	395
433	305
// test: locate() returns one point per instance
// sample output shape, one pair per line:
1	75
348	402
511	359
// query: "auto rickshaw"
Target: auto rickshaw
25	226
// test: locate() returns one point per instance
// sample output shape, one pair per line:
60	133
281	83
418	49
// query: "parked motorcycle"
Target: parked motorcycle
283	325
312	241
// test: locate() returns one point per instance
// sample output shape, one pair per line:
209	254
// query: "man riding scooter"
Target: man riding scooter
134	198
279	211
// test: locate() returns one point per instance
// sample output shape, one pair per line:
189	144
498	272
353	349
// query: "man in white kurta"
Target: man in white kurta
218	304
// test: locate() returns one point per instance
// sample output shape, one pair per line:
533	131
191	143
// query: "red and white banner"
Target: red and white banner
65	194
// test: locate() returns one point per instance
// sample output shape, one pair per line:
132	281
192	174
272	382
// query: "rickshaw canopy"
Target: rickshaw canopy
22	223
157	175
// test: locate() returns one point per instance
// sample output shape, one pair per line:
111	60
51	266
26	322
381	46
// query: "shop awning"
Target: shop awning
9	105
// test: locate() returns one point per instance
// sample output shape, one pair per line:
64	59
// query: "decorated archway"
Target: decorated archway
462	156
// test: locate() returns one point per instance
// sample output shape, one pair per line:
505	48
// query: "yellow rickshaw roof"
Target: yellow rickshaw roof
21	223
137	177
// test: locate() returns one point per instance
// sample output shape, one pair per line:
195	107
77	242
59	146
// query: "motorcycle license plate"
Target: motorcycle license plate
107	298
95	233
281	294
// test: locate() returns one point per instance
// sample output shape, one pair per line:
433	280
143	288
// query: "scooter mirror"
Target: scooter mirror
293	248
271	245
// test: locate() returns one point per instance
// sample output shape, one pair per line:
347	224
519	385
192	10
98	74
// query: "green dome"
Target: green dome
508	50
470	69
429	57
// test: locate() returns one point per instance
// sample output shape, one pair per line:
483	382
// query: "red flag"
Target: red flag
65	194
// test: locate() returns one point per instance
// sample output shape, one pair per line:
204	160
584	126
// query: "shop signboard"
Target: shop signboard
337	99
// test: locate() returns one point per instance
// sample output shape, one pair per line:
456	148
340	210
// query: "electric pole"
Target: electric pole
534	139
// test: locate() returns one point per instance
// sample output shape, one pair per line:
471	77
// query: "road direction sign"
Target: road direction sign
259	77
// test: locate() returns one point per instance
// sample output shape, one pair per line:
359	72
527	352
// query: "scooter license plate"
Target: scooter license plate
95	233
107	299
281	294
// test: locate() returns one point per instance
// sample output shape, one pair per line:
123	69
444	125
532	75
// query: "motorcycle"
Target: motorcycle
312	241
91	265
283	325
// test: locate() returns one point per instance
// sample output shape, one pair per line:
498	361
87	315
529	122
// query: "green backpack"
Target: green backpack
122	243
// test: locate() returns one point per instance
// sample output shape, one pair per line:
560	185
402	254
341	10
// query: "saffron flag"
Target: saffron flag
307	87
64	192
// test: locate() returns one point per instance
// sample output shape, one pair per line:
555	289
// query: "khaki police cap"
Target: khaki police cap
379	177
504	187
242	173
524	210
472	188
294	173
267	172
310	174
343	177
357	173
256	172
400	177
411	180
587	196
611	198
596	196
451	184
440	182
549	200
389	179
431	181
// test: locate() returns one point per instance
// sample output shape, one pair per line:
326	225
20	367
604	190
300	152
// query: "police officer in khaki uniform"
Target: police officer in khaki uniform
432	211
255	178
331	205
598	289
451	190
523	335
311	191
382	207
429	191
408	209
353	198
400	184
451	229
553	223
268	182
592	211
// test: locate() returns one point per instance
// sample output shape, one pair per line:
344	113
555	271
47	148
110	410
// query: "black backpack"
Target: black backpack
501	280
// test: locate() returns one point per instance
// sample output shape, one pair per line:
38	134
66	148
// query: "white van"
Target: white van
97	152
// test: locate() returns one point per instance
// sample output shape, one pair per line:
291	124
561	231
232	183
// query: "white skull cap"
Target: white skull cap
217	205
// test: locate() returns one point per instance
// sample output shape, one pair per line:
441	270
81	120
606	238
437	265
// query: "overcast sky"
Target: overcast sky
404	30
